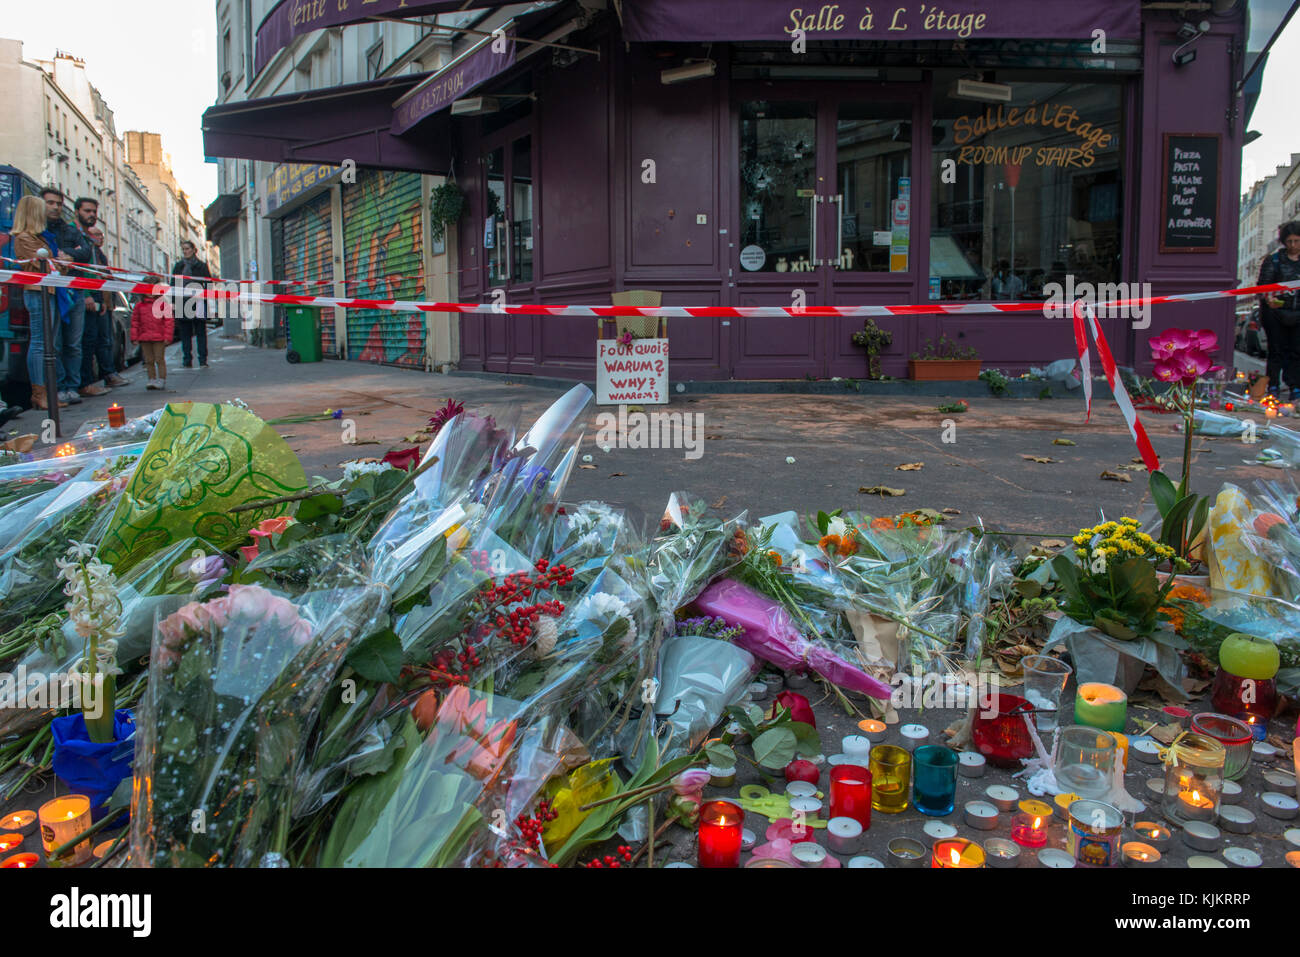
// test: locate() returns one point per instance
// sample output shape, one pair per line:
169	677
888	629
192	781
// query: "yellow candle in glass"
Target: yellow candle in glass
63	819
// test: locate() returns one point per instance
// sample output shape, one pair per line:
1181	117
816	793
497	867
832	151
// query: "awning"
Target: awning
294	18
332	125
476	65
776	20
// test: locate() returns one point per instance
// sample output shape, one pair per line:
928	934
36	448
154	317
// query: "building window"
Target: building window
374	60
1026	192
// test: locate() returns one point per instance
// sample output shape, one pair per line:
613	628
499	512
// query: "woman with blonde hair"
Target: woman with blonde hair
29	225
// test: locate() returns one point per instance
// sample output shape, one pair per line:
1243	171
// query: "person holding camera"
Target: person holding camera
1280	312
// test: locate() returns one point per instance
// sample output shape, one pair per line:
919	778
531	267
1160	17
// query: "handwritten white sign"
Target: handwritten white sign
635	373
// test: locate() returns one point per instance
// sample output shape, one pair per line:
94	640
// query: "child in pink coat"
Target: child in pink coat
152	325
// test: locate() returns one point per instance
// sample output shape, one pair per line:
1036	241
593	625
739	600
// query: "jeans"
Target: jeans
68	345
33	299
96	346
1283	348
198	328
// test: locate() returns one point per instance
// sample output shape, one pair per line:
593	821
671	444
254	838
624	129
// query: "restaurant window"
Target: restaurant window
1025	192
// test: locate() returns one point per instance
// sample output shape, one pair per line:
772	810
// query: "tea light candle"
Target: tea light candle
21	861
1003	797
758	690
865	861
844	835
721	777
1156	786
1200	861
808	854
1293	858
1137	854
1173	713
1238	820
971	764
980	815
939	830
914	735
1145	750
1195	806
1055	858
62	819
762	863
10	841
809	807
1279	805
1263	751
1063	802
1279	779
116	416
1230	793
1202	836
1029	827
999	852
857	749
20	821
1292	836
1242	857
1149	832
957	852
1101	706
800	789
721	823
797	681
873	730
906	852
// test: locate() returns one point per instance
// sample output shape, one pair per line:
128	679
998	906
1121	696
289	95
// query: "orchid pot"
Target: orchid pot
89	767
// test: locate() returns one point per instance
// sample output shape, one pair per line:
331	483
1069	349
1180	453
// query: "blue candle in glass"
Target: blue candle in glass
934	780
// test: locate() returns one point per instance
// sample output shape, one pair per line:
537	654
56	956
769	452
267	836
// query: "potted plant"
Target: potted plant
446	206
1112	599
944	362
1181	357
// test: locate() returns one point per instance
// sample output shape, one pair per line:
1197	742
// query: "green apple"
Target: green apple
1249	657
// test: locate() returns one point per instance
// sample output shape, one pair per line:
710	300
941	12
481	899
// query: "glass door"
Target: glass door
509	246
873	187
778	186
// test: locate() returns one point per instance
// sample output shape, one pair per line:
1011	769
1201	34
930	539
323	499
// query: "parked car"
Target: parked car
1251	338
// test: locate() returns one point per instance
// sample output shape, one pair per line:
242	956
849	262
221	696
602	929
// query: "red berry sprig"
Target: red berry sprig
623	858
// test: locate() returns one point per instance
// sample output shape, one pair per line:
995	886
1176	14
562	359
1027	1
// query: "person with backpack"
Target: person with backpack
152	325
1279	313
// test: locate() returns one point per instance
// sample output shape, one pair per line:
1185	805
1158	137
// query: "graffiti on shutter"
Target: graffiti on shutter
384	252
305	250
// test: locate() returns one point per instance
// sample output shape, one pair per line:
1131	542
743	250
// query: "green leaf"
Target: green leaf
775	748
415	585
379	657
1175	522
809	741
720	755
1163	492
325	504
1199	518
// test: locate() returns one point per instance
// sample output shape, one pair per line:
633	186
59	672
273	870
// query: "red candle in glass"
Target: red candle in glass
1029	827
1250	700
9	841
20	860
1003	739
116	416
851	793
720	834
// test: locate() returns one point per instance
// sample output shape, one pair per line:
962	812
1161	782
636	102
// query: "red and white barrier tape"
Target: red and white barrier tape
669	312
135	275
1083	312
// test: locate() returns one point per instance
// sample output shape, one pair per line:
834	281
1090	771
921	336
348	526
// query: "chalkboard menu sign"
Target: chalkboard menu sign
1191	194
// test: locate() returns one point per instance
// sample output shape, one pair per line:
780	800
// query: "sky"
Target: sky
153	61
156	67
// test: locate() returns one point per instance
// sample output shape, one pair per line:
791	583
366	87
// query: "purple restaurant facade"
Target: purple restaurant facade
762	152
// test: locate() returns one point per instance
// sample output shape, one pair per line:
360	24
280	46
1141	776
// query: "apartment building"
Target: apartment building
1262	212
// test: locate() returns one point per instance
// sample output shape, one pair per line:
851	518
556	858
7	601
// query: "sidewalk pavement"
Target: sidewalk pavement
977	462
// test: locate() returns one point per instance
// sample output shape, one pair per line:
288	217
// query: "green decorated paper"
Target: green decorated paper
201	461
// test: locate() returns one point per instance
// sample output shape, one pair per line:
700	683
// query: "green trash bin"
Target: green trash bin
304	333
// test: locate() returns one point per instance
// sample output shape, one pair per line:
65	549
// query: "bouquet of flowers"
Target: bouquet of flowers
234	690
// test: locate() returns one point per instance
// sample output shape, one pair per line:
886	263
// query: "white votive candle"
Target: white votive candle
1145	750
1278	805
1280	780
1242	857
808	854
914	735
1003	797
1263	751
1055	858
865	861
1238	820
800	789
809	807
980	815
939	830
1202	836
843	835
999	852
857	748
1230	793
1201	861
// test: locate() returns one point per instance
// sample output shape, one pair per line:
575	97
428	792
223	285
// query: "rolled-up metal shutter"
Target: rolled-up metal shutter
303	249
384	252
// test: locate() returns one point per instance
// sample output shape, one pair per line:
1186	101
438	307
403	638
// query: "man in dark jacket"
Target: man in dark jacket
190	315
76	248
96	337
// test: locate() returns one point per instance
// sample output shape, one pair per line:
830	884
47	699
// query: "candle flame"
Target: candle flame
1038	822
956	858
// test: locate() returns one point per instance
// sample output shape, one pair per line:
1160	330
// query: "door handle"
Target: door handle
839	230
812	234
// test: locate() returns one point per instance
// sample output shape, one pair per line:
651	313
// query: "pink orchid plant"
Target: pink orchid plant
1182	357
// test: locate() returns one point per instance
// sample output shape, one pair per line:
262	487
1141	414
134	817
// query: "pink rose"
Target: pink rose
193	616
685	809
301	633
248	603
248	551
690	783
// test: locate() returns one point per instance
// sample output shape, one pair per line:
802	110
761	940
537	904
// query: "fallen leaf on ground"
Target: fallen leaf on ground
1117	476
719	503
880	490
1041	459
1063	442
1165	733
417	438
586	466
1135	460
617	474
1052	543
909	467
712	438
1132	468
952	511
